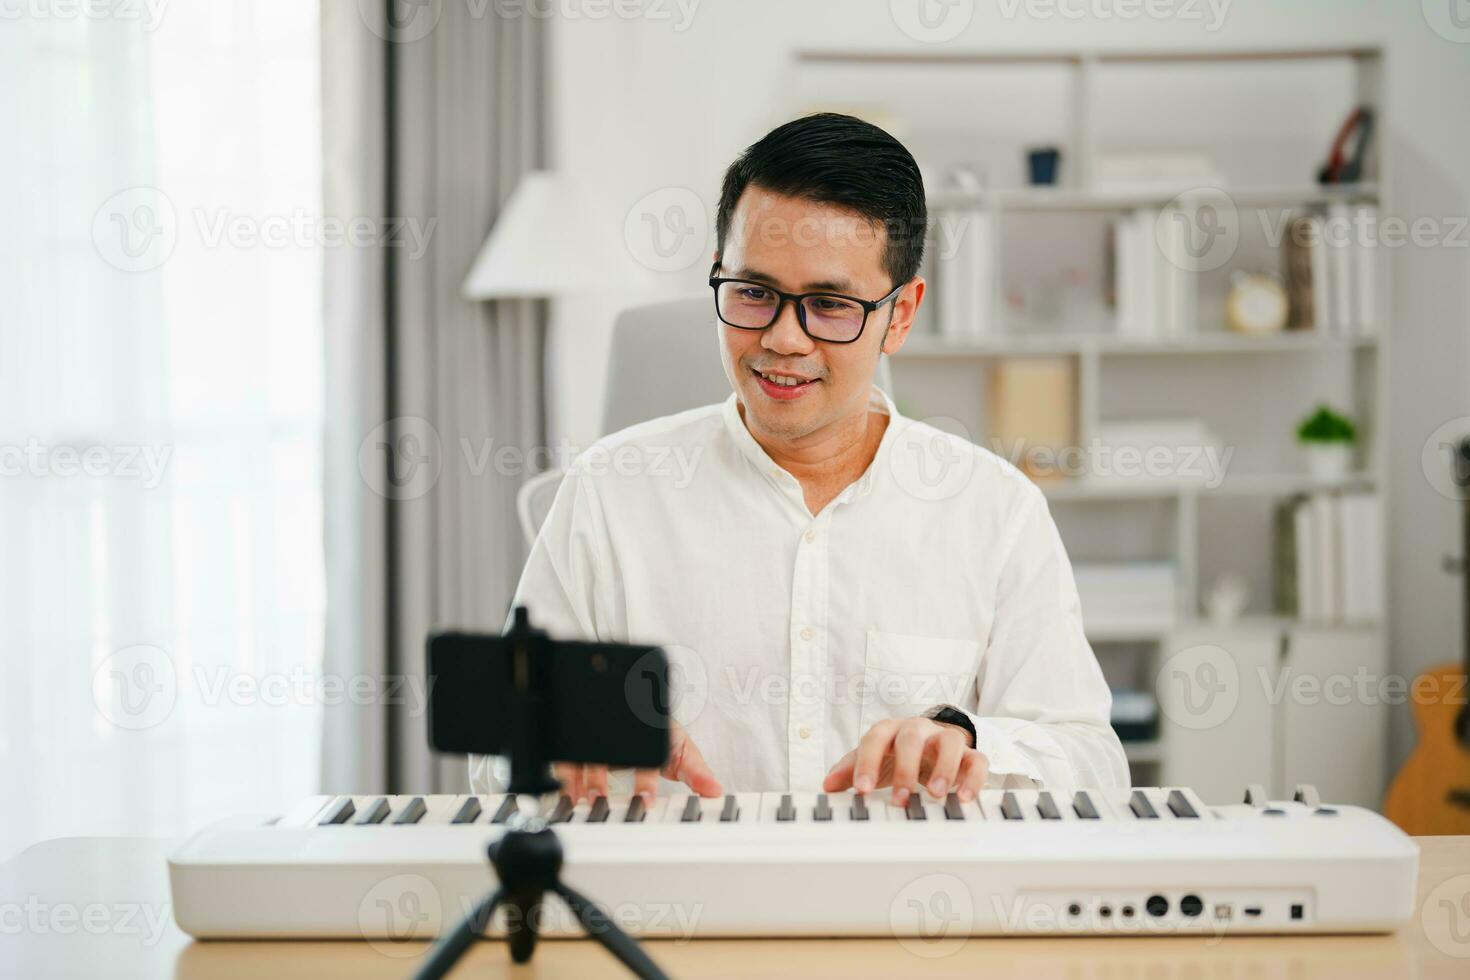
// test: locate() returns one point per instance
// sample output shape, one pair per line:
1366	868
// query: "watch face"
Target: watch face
1257	305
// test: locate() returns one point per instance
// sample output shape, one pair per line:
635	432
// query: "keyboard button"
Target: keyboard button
786	812
859	810
1010	807
822	812
1180	806
692	812
339	812
376	812
563	811
637	810
914	809
953	810
731	811
469	810
413	812
1047	806
1141	807
599	811
1082	803
507	807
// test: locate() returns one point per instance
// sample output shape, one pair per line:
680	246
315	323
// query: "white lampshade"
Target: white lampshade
550	241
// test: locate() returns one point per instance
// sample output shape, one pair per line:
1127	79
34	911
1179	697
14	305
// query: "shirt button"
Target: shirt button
806	633
810	536
804	732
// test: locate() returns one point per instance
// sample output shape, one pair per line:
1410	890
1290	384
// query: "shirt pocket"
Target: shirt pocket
905	675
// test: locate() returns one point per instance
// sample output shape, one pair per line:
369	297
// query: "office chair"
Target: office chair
640	386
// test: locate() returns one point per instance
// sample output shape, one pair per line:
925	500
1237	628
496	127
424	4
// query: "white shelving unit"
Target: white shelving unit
1088	101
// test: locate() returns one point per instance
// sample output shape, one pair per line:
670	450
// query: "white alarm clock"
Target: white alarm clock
1257	304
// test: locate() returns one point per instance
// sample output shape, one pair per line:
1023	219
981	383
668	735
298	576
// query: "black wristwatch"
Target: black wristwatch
948	714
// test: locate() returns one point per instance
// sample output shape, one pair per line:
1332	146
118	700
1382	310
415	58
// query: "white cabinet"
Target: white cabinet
1215	722
1333	693
1276	705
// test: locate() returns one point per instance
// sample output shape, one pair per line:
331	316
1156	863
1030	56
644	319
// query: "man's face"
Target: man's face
801	246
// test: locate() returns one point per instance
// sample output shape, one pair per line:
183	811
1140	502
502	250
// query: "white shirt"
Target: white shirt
937	578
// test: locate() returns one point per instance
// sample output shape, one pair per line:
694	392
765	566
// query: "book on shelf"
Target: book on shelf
1154	287
966	274
1328	260
1328	558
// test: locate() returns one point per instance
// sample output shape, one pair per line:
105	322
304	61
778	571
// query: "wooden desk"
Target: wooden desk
94	907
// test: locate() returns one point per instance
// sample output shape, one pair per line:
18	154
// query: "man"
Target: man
850	599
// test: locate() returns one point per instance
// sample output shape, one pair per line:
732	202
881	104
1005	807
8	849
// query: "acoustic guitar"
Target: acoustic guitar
1431	794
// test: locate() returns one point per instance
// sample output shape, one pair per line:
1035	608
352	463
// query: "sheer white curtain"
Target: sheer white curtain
161	593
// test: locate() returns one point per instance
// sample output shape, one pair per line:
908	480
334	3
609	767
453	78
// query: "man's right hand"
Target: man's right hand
685	765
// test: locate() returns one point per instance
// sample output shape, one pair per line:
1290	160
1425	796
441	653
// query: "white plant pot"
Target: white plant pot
1329	461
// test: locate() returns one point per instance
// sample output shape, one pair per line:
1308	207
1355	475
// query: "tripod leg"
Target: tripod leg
451	946
615	940
520	929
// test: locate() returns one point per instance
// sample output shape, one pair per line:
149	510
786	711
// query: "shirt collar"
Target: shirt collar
878	400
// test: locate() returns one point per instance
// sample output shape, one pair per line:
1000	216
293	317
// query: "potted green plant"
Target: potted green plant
1328	440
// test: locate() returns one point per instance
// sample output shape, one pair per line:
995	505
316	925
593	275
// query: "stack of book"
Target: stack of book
965	273
1329	558
1328	259
1127	596
1154	284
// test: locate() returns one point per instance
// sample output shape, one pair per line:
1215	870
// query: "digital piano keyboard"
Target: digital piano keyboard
1104	862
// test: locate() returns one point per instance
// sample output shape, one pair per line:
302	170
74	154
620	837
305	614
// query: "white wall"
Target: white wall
643	106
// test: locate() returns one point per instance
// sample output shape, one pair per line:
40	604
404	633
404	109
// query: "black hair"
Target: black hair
844	161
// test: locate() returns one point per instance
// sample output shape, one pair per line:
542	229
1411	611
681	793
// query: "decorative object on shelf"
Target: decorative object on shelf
1328	439
1343	167
1043	163
1227	599
1033	411
1328	557
1257	304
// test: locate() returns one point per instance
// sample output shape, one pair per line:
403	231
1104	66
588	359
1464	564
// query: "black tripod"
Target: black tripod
528	862
528	857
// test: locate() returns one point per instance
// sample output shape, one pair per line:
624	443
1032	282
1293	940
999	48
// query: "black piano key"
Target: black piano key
1179	805
1010	807
1082	804
599	811
731	812
915	807
1141	807
507	807
692	812
1046	806
413	812
823	810
952	808
785	812
563	811
376	812
859	809
341	812
469	810
637	810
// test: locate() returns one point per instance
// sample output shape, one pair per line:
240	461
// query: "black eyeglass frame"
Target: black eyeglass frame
797	300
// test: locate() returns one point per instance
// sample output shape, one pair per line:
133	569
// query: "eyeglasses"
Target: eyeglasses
831	317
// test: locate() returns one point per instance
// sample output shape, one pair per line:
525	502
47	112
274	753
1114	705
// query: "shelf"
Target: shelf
1081	199
1077	56
1245	485
1213	342
1152	631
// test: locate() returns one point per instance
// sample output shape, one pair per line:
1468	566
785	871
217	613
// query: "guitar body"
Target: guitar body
1431	794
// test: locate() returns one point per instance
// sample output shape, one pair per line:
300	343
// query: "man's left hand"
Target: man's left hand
908	752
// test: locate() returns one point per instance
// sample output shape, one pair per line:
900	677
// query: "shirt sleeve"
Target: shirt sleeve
560	587
1043	707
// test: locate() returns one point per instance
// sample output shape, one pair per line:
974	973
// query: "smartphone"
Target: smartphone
593	703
